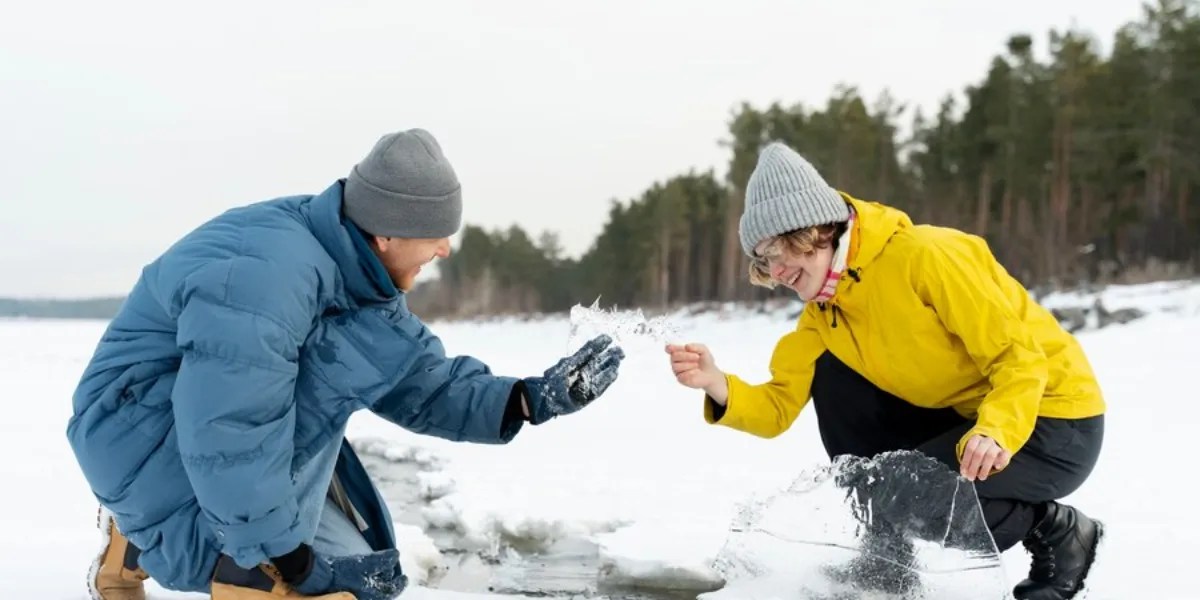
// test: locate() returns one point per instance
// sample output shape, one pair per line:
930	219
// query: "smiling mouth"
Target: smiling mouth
794	278
422	265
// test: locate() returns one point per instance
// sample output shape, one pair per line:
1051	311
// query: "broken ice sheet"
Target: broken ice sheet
900	525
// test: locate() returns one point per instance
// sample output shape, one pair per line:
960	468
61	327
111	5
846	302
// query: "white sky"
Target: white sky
123	124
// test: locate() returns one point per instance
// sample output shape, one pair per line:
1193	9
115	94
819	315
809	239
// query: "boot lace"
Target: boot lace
1042	566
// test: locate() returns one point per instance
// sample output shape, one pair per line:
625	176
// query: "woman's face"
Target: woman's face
804	273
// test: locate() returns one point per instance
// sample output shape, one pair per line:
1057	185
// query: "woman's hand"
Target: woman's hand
981	455
694	367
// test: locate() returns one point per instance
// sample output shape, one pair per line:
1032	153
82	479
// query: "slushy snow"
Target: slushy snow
639	472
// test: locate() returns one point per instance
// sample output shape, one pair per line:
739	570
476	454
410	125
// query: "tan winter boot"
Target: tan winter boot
231	582
115	574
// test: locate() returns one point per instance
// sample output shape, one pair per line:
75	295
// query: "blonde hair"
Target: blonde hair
798	242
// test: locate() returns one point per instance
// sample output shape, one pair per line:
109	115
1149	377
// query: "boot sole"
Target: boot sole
1087	570
103	523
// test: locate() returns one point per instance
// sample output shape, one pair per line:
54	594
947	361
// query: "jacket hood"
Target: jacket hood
874	226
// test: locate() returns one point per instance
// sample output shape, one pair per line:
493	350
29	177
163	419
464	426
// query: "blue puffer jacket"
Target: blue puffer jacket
238	355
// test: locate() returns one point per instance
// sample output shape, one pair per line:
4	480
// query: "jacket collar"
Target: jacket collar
365	279
875	225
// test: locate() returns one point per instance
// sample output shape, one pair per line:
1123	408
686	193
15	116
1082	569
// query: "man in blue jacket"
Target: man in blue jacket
210	422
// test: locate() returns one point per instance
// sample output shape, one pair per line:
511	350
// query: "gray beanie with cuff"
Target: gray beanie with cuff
785	193
404	188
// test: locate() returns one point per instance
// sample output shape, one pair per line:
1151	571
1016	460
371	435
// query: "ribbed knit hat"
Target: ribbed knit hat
405	188
785	193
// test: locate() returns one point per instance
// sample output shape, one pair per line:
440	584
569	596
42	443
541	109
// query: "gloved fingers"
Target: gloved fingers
390	581
589	350
612	353
383	561
596	379
590	380
602	380
600	360
388	584
609	360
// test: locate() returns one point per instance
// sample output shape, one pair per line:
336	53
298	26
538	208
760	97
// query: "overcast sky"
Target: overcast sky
123	124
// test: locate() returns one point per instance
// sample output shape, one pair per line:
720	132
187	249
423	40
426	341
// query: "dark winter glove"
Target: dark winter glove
574	382
375	576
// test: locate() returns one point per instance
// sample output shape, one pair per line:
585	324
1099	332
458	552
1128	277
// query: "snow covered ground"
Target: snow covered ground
637	487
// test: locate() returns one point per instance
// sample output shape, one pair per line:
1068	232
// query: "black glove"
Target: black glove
375	576
574	382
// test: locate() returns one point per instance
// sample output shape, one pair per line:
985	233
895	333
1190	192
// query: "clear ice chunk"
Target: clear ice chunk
899	525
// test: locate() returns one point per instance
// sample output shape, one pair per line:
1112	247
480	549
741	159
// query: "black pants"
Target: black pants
859	419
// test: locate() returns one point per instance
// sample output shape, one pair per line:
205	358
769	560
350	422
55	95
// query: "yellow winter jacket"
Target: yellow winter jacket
929	316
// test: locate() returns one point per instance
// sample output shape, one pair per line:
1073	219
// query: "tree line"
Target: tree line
1076	168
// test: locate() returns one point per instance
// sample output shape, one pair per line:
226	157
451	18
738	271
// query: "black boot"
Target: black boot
1063	546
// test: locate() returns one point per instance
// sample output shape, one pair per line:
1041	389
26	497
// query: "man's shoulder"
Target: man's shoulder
257	254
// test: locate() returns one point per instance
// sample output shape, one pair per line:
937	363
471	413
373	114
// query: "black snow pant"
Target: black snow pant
859	419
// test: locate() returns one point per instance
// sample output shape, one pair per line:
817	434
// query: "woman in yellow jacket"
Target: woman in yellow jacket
915	337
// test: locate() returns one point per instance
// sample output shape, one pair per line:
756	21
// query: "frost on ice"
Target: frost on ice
900	525
625	327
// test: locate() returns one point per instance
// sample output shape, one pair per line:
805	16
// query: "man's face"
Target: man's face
403	258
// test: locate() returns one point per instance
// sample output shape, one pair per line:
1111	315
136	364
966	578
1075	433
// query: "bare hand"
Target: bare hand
981	455
694	367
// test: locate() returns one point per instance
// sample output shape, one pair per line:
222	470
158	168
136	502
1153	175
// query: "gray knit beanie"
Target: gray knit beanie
405	188
785	193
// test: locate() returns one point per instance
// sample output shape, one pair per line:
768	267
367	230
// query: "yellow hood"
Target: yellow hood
874	227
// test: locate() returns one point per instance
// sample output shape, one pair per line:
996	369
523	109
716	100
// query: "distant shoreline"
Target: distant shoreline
82	308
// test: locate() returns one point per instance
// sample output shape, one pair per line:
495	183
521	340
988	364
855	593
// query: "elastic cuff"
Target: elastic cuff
532	387
255	542
295	565
512	411
319	578
715	411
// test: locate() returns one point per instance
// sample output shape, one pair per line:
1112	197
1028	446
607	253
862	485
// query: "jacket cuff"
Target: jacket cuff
254	542
318	580
514	416
713	412
295	565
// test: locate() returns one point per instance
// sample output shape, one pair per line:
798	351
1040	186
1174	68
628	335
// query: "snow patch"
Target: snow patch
662	555
420	593
388	449
620	571
492	531
419	556
433	485
1178	297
